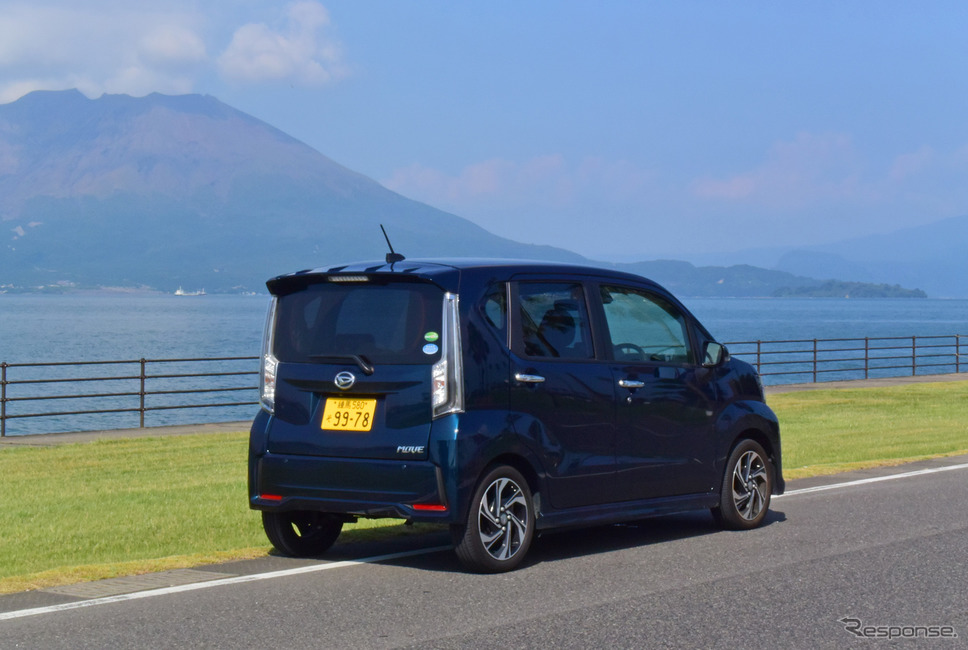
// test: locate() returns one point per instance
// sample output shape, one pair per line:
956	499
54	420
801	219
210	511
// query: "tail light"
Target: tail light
448	373
269	361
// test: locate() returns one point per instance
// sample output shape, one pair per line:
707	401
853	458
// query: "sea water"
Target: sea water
37	328
96	327
84	327
785	319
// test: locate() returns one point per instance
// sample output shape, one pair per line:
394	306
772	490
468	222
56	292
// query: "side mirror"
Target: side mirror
714	354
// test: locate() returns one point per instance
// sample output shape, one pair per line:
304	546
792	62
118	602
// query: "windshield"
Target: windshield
396	323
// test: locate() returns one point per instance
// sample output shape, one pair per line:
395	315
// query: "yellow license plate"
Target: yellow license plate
348	414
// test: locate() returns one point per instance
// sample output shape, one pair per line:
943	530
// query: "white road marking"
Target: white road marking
865	481
234	580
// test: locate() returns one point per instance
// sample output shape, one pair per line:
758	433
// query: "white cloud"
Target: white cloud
808	169
298	51
172	46
11	91
591	205
137	47
545	199
139	79
484	179
829	179
908	165
39	35
98	47
548	180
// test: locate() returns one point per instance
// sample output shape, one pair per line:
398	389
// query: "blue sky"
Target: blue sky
620	130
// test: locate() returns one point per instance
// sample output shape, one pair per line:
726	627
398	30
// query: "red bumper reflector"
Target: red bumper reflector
430	507
270	497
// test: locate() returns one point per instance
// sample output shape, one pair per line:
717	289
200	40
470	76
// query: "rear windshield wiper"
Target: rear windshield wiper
358	359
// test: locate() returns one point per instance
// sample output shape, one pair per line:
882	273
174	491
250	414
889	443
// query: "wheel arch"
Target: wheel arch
753	421
522	465
756	435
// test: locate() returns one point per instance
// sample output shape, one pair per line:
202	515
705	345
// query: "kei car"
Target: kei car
501	399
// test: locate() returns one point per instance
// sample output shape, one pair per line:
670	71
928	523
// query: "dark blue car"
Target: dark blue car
501	398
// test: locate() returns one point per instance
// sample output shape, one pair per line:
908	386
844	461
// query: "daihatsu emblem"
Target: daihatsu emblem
345	380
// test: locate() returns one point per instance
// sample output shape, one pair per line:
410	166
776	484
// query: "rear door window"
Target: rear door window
554	321
396	323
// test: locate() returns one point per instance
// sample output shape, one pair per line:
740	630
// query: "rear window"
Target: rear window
398	323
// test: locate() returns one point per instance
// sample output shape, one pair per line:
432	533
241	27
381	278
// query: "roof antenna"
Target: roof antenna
391	256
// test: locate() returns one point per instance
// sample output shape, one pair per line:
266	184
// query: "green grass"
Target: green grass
79	512
830	431
82	512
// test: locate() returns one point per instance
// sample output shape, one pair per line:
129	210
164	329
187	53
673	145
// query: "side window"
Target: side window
496	308
554	320
644	327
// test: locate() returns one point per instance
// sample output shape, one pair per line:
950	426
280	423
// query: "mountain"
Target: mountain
185	191
931	257
685	279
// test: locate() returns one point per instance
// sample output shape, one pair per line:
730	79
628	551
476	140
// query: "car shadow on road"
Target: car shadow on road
564	544
570	543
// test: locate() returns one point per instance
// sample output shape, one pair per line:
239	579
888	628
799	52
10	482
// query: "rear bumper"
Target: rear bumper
373	488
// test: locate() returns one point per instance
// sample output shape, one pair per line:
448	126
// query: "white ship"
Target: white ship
182	292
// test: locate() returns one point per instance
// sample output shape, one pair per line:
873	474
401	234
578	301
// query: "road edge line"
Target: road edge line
876	479
233	580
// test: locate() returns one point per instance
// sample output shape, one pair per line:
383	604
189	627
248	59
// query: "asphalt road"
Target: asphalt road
889	555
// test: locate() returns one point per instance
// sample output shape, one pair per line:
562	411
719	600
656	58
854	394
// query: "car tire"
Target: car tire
301	533
500	523
744	496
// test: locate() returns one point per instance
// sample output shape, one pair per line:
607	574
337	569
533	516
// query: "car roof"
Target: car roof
446	271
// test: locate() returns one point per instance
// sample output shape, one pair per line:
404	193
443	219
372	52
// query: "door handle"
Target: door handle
529	379
631	383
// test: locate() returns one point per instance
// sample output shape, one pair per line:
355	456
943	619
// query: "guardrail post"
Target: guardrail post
759	351
957	353
914	356
141	393
867	357
3	399
815	361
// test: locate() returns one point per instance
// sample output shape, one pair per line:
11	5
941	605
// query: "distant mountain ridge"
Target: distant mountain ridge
932	257
186	191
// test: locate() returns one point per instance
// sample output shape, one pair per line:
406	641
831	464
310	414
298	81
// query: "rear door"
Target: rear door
355	358
560	394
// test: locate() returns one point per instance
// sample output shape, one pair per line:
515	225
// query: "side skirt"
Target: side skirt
611	513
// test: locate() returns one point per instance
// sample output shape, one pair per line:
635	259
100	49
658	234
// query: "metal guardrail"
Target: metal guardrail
144	386
816	360
134	386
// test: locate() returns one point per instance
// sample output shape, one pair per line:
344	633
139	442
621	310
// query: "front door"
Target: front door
663	416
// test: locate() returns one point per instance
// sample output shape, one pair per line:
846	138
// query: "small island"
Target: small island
838	289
